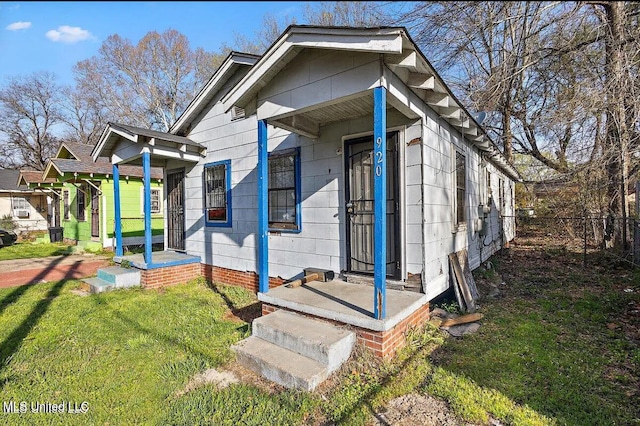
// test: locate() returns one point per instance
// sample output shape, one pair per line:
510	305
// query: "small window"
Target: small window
21	207
284	190
217	193
81	201
488	186
156	200
501	203
65	200
461	188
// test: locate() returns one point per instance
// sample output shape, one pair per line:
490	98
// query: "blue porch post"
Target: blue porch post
146	172
116	206
380	201
263	208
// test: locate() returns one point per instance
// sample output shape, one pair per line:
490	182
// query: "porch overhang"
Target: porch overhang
125	144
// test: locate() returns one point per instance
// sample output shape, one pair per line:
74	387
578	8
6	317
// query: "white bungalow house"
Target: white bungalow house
339	149
24	207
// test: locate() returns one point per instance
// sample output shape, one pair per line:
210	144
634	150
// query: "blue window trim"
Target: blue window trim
219	224
298	177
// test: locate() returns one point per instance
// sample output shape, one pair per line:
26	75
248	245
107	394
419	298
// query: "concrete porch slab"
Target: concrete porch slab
344	302
160	259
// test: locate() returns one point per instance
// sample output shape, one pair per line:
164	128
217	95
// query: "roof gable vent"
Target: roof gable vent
237	112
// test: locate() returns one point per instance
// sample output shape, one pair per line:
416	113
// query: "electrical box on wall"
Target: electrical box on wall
481	222
483	210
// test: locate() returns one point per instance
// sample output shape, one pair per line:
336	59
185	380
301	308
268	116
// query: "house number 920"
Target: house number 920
379	158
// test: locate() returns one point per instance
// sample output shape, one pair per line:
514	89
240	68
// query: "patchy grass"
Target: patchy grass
560	338
27	250
240	405
559	345
125	352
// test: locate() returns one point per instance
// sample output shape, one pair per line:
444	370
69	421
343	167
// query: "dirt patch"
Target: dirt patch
415	409
246	314
222	379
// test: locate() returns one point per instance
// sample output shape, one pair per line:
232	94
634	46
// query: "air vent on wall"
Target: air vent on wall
237	112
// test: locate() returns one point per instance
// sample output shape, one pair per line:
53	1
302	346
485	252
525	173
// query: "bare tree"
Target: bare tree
620	51
149	83
84	116
345	13
264	37
490	52
29	114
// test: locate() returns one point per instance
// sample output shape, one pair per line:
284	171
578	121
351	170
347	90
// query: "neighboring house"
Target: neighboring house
84	193
24	206
340	149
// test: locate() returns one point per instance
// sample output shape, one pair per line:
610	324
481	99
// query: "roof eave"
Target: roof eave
389	40
214	84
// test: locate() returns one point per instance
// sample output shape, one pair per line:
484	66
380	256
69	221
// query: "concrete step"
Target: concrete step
98	285
120	277
280	365
318	340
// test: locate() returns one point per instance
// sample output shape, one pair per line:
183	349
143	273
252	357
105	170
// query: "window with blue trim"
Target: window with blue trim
217	193
284	190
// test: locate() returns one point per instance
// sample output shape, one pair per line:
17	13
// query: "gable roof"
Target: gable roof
298	37
397	49
73	150
230	65
76	158
115	133
134	131
9	181
33	177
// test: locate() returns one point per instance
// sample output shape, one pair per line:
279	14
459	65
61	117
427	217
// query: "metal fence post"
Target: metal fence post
584	250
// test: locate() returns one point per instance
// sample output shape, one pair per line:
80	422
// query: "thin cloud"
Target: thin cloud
67	34
18	26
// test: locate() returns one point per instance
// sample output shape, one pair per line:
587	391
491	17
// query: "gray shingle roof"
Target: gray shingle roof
9	181
81	151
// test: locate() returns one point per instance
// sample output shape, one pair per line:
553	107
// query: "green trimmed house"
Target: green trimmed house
82	210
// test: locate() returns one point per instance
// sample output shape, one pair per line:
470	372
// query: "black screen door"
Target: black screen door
175	210
95	212
360	208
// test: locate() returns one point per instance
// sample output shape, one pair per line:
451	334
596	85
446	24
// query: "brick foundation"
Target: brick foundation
383	344
246	280
171	275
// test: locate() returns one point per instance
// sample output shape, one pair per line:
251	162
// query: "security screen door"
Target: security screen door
175	210
359	205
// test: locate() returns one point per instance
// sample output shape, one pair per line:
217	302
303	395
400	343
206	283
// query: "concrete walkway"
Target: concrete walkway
17	272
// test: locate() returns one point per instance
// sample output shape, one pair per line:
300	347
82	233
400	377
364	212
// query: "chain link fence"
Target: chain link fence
589	234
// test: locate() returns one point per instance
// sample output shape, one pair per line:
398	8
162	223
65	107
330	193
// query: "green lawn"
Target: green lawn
27	250
125	353
547	353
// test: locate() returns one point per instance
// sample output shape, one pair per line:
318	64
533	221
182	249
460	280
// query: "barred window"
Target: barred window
217	193
155	200
284	190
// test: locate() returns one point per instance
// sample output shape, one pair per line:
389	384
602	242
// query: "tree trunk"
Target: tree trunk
617	131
